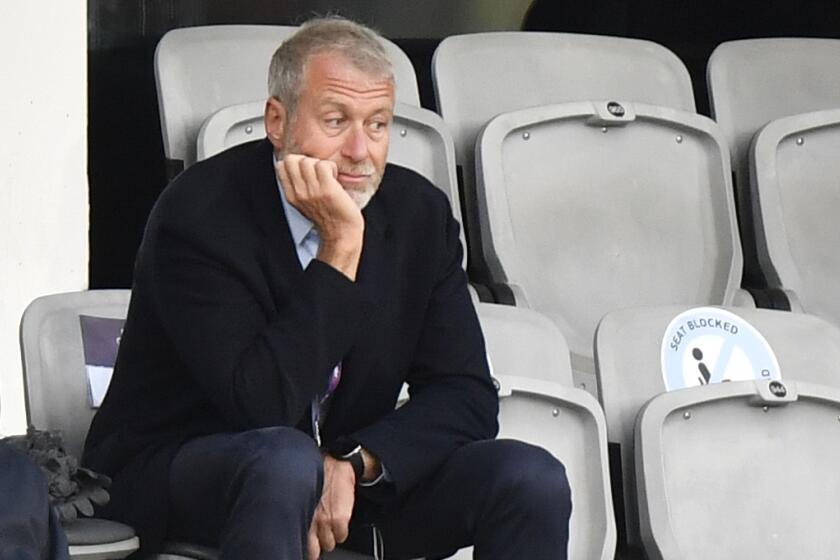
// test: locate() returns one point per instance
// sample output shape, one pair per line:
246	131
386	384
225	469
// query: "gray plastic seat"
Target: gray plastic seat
481	75
753	82
419	141
199	70
538	404
589	211
627	346
721	477
794	190
57	393
57	396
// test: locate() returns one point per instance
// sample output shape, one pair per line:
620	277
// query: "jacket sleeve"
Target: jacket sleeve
452	397
258	367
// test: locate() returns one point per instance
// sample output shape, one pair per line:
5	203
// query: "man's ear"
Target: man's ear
276	121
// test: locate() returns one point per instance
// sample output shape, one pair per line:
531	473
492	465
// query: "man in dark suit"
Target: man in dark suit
283	293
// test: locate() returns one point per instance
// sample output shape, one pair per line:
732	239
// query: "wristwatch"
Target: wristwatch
345	449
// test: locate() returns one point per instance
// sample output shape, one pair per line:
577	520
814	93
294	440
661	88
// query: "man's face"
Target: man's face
343	115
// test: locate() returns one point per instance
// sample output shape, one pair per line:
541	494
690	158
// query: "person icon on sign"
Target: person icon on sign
705	374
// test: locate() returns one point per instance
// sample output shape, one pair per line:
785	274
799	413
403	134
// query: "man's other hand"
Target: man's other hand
311	186
331	523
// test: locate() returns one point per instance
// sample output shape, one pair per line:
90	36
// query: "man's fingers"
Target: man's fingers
340	529
314	546
327	171
293	172
287	170
339	496
314	188
325	535
285	182
311	179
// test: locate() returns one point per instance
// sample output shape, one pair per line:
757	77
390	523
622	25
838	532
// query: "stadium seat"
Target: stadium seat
753	82
794	166
718	485
481	75
58	396
596	206
419	141
199	70
538	404
740	470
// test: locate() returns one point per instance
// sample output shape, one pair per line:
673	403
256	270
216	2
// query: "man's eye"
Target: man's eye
334	122
379	126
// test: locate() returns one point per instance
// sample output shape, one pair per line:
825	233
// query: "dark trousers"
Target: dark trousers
29	528
253	495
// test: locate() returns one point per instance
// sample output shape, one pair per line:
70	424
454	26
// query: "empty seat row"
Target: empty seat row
640	214
724	470
479	76
776	101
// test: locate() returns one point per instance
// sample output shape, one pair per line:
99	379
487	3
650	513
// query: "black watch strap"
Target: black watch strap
350	452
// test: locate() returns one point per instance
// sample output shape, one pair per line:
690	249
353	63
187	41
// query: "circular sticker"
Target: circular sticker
709	345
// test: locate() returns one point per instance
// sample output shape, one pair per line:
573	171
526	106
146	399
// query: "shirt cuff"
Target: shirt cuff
382	476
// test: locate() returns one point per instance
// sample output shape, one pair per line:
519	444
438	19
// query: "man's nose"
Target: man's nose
356	144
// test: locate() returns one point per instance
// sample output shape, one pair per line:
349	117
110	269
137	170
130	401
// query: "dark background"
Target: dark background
125	152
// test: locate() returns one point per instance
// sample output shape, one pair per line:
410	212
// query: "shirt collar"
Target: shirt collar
299	225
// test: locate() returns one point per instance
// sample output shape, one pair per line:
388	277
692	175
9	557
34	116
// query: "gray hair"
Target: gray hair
359	44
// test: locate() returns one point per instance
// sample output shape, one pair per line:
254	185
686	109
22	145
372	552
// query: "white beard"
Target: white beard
362	198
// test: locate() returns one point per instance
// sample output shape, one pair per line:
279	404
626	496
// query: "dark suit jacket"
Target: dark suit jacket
226	332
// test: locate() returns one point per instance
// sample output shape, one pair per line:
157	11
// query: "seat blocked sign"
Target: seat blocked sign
708	345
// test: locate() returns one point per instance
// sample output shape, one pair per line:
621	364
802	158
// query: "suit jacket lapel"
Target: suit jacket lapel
370	277
374	252
279	247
